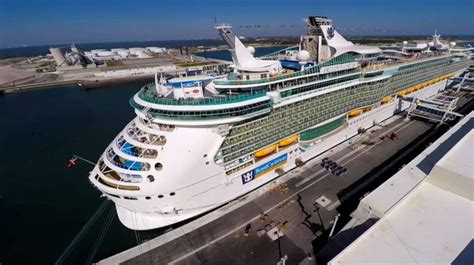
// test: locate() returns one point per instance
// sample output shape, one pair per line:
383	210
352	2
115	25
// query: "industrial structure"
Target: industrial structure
72	56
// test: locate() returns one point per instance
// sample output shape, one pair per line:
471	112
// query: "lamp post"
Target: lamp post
316	207
277	233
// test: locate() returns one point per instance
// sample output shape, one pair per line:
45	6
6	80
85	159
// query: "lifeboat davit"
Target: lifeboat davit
266	151
288	141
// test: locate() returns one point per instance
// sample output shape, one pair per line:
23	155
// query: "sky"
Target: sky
44	22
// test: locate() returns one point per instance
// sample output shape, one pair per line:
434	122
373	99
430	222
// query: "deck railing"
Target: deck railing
344	58
150	95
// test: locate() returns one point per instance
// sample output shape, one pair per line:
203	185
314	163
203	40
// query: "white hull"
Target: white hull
212	187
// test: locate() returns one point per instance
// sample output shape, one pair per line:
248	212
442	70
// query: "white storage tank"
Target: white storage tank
156	49
136	50
123	53
106	53
143	54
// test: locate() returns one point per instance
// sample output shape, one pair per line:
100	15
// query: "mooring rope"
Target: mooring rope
103	232
83	231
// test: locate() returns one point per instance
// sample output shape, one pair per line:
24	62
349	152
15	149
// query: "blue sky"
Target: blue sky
38	22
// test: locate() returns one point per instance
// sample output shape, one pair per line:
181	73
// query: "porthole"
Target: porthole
158	166
172	194
160	196
205	155
150	178
147	197
207	162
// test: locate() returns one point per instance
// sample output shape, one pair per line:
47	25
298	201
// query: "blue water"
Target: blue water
44	204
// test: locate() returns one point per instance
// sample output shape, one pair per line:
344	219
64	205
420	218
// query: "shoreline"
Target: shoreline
87	84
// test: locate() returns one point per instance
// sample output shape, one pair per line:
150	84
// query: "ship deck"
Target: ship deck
220	237
414	59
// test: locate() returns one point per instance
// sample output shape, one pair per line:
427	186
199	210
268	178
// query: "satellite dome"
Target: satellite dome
273	73
251	49
431	44
452	44
303	56
405	42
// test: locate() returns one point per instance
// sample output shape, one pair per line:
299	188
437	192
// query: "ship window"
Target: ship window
160	196
207	162
150	178
147	197
158	166
172	194
130	198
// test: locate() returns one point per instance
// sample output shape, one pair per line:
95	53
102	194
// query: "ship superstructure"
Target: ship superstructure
182	157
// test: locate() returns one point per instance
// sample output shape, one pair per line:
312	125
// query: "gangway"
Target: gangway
439	108
465	82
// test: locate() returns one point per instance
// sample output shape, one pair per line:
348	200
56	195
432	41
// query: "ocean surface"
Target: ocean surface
44	204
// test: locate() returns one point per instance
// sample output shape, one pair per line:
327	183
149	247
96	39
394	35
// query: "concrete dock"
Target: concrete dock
302	205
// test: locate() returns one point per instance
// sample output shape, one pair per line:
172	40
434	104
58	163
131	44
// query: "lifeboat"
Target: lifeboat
266	151
386	99
288	141
355	112
409	90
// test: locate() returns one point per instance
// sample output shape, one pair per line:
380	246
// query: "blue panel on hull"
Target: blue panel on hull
192	83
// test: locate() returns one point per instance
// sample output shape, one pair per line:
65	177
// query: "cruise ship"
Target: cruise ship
182	156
